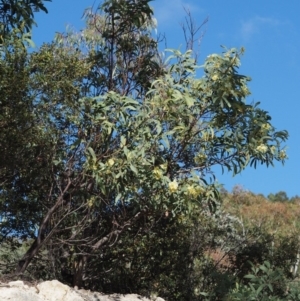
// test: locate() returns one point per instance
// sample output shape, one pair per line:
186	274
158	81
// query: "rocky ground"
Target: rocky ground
57	291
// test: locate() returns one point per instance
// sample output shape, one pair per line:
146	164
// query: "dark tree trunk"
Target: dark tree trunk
28	256
79	268
42	237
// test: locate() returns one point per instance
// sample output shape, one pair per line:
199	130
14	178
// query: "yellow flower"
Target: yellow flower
262	148
282	154
266	126
194	191
157	173
191	190
245	90
273	149
200	190
200	158
173	186
215	77
91	202
110	162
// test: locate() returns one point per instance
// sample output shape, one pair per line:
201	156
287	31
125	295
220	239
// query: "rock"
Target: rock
57	291
11	292
17	283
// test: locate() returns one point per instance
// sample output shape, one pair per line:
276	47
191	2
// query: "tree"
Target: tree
131	139
19	16
22	141
124	55
62	93
280	196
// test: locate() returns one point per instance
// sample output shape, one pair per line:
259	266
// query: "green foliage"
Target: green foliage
24	144
280	196
168	258
18	17
109	153
265	283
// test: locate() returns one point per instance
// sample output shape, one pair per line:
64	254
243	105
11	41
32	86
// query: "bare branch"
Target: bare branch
193	34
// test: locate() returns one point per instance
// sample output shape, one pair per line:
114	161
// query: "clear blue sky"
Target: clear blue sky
270	32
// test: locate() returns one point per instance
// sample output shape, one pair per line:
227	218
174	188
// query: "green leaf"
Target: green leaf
92	153
189	101
133	168
123	141
261	287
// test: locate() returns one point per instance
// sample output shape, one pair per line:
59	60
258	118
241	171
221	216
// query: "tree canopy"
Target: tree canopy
18	17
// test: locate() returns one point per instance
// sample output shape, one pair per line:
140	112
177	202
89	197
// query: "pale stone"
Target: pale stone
18	294
17	283
57	291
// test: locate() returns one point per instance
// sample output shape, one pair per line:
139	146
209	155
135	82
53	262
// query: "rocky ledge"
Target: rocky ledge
57	291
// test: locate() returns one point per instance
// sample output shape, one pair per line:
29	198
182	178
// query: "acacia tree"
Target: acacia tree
57	101
133	139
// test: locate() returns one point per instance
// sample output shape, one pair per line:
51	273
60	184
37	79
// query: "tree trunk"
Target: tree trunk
41	238
79	268
80	265
28	256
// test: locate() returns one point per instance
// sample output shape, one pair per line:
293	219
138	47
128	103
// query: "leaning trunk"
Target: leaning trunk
42	237
27	258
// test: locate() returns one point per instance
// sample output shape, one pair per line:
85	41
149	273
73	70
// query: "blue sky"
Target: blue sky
270	32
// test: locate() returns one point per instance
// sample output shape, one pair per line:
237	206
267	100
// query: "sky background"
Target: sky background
270	32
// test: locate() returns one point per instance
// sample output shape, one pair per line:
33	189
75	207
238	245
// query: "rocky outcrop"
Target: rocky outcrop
57	291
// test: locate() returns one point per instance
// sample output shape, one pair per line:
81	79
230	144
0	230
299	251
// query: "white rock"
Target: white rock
56	291
18	294
17	283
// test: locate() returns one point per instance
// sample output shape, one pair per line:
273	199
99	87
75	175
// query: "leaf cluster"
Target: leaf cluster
18	16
